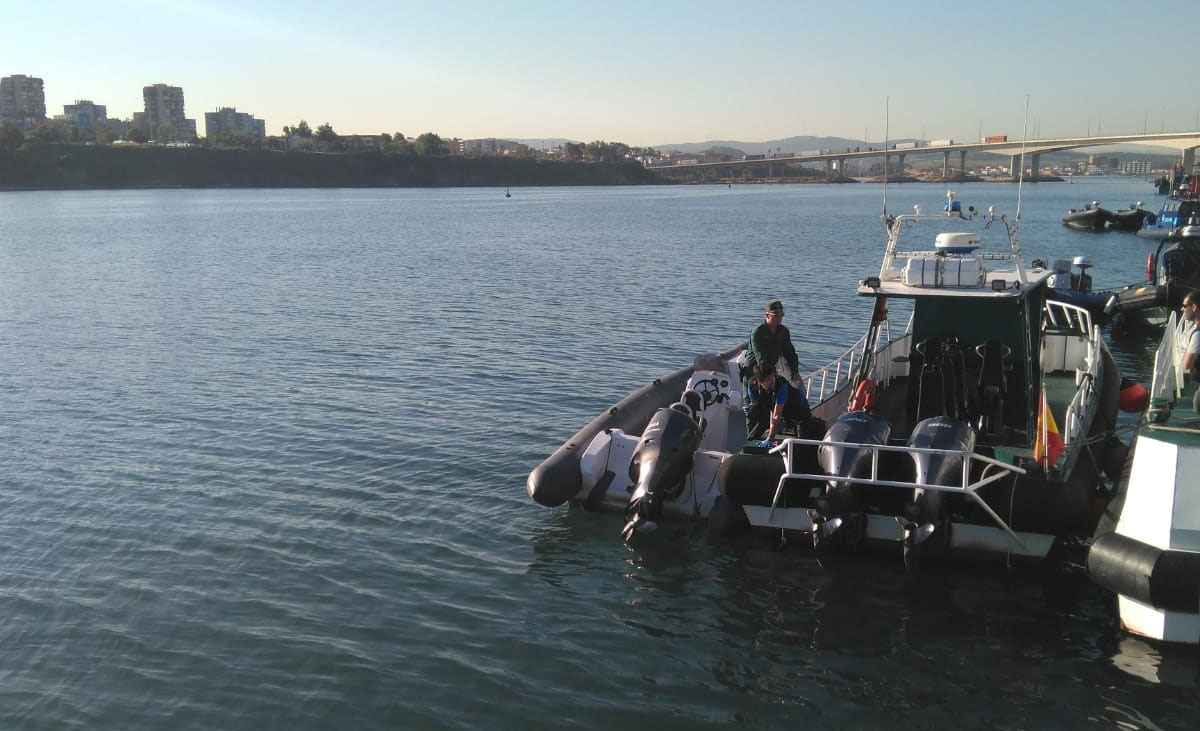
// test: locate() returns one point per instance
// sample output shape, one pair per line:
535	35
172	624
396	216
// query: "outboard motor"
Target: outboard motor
856	427
661	461
923	514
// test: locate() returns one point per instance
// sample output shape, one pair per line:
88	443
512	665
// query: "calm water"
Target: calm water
263	459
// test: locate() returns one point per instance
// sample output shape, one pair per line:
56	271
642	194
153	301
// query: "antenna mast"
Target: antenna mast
1015	234
886	106
1021	175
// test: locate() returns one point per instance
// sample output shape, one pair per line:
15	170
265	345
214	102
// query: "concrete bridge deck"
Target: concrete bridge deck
1186	141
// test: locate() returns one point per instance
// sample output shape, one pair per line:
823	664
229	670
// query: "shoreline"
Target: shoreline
876	180
74	167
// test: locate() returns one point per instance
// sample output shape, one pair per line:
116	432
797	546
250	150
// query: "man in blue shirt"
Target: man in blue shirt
772	403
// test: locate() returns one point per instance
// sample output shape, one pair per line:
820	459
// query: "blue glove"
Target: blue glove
747	408
766	444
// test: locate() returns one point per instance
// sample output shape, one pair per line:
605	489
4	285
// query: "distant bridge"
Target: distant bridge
1186	141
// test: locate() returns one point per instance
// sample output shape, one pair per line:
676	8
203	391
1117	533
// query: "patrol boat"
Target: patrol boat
976	431
1172	270
1147	545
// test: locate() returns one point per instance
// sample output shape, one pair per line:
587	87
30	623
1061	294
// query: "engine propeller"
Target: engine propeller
914	535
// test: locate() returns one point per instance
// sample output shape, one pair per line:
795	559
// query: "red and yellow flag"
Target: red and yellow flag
1049	444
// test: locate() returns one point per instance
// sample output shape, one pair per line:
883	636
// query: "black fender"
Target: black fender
1168	580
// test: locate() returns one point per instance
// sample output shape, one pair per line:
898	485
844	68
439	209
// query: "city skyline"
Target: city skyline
672	73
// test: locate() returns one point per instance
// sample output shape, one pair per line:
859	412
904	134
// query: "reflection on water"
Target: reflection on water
1157	662
849	640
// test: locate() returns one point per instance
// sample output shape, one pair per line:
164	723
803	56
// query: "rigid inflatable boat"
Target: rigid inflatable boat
1089	218
1131	218
1147	545
1076	288
1172	270
972	432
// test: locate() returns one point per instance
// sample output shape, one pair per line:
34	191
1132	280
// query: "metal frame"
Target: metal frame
968	488
1083	404
895	225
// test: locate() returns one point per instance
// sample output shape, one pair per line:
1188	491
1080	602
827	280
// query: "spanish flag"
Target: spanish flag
1049	444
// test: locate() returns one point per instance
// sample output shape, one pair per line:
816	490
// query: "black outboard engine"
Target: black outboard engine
923	514
661	461
856	427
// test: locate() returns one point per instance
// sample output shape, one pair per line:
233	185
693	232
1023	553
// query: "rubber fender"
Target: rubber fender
1168	580
749	479
727	518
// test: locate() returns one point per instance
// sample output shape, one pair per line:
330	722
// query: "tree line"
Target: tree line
299	136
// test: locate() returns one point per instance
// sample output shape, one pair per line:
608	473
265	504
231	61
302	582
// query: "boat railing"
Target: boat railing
1167	381
1066	315
992	470
950	213
1083	405
827	380
934	254
1079	411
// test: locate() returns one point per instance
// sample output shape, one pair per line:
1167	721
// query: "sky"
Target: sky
644	73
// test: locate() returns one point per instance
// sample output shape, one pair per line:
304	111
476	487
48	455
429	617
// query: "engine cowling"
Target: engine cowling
661	460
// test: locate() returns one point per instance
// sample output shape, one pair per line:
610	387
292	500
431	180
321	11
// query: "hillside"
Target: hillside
76	166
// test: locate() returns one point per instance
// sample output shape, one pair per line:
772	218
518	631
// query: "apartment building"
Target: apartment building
164	115
85	114
22	101
228	120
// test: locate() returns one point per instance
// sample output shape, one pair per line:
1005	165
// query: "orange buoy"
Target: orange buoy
864	396
1134	396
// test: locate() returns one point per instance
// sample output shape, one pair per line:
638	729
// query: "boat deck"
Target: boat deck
1176	422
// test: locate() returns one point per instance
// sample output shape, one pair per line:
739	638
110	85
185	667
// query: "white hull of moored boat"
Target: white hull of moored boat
1158	624
1147	550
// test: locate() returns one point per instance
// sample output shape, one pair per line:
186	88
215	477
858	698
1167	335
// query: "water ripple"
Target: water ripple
262	463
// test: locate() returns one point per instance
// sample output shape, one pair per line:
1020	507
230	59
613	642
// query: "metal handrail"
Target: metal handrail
842	367
1084	401
1174	345
968	488
925	254
1073	316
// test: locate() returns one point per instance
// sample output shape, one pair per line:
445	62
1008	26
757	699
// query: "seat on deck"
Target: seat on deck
992	387
939	386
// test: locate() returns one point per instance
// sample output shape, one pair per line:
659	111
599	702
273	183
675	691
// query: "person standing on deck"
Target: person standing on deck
1191	352
771	344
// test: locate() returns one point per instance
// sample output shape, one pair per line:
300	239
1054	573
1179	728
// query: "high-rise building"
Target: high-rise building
228	120
85	114
164	113
22	100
